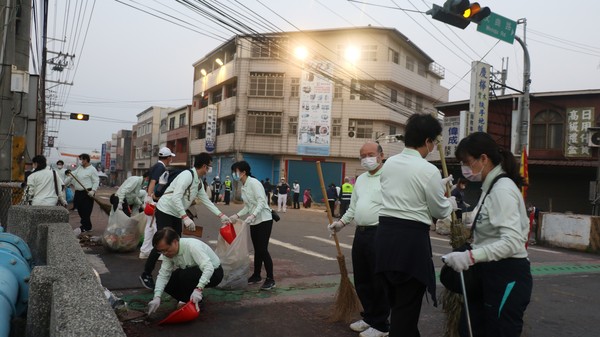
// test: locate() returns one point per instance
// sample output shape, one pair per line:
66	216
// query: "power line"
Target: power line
383	6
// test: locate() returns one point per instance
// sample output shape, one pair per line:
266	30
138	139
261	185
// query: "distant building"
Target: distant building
251	85
121	165
178	133
146	138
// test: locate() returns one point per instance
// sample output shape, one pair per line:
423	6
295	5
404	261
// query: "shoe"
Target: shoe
143	256
372	332
359	326
147	281
268	285
279	210
285	210
254	279
77	231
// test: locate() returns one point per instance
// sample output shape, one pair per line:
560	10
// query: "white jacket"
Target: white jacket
41	189
130	190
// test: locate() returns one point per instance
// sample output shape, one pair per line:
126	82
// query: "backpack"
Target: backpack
169	176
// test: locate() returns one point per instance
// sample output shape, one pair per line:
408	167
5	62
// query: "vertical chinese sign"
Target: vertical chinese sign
480	93
211	128
578	121
314	117
452	133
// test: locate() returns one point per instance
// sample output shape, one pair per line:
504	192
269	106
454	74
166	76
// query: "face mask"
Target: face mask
209	169
235	176
369	163
467	172
430	152
60	167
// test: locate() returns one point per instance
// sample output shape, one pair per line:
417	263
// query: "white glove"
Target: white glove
452	200
336	226
233	218
163	179
189	223
153	305
148	200
120	206
91	193
250	219
446	180
224	219
459	261
467	205
196	296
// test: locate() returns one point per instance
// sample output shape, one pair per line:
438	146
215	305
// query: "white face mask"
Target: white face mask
369	163
59	167
429	152
467	172
209	169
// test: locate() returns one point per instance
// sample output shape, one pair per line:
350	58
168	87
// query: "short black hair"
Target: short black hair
242	166
40	161
60	162
202	159
146	174
167	233
419	128
85	156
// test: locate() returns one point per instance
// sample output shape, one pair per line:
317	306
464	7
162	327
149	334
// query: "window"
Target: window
266	84
204	101
392	130
393	56
295	87
422	69
264	123
368	53
293	126
148	128
410	63
231	90
419	103
217	96
181	146
547	130
202	131
272	47
171	123
181	120
394	96
336	127
363	128
361	90
408	99
140	131
338	90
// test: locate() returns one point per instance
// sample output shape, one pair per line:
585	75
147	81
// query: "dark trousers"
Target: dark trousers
84	205
371	292
344	204
227	197
260	235
215	197
162	220
296	200
405	294
507	286
332	206
183	282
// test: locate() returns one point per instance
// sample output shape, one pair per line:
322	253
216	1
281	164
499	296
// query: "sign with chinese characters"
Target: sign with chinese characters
211	128
314	117
578	121
453	132
499	27
480	93
103	156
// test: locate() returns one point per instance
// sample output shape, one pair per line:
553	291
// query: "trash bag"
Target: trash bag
123	233
69	195
235	259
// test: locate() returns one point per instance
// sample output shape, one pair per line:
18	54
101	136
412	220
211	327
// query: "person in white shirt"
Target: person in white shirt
128	197
412	194
171	207
296	190
189	266
365	204
83	201
260	220
500	230
44	186
61	170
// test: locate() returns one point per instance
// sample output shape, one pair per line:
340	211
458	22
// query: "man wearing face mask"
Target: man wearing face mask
412	191
86	175
365	204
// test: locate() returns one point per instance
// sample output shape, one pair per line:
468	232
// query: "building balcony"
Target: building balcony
224	108
214	78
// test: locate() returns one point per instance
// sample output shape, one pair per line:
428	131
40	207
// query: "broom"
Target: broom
106	208
452	302
346	304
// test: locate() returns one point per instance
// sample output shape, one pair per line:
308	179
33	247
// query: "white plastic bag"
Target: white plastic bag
235	259
123	233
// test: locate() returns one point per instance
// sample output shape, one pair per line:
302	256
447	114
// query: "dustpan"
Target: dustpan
188	312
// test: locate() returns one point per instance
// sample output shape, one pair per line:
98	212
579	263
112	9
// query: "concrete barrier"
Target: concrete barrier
65	297
573	231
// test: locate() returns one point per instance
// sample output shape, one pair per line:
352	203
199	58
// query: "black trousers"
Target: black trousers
84	205
260	235
371	292
405	294
507	286
162	220
332	206
227	196
183	282
296	200
344	204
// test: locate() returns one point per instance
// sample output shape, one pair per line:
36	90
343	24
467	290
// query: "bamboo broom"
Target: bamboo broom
346	304
106	208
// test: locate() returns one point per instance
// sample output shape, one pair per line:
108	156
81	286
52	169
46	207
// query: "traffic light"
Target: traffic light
79	116
459	13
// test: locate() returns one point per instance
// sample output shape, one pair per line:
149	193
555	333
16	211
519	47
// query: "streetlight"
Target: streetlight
301	53
219	62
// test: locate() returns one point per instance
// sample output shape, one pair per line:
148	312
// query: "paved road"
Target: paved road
564	301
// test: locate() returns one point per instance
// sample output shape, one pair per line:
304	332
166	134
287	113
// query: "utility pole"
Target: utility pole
524	101
41	120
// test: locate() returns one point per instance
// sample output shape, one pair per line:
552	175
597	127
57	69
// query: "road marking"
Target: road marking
212	242
300	250
330	241
439	239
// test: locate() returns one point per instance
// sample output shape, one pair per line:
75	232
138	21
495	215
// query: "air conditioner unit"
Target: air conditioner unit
593	137
351	132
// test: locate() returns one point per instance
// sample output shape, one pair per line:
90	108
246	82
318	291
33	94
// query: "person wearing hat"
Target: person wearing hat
44	186
86	175
216	188
227	184
164	159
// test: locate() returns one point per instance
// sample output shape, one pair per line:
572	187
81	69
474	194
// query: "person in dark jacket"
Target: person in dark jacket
332	197
459	194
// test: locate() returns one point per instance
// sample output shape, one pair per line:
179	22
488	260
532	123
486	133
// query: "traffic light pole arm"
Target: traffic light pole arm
524	105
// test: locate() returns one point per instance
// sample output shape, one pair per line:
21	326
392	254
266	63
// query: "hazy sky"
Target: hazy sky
132	60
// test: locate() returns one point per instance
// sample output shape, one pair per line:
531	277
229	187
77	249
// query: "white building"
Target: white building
147	138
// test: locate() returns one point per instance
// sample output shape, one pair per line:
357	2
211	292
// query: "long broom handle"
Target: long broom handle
77	180
445	173
329	215
464	289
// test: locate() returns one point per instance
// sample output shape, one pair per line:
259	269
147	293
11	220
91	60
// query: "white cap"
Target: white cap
165	152
217	177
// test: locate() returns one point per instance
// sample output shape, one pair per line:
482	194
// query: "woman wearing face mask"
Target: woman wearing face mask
44	186
500	233
412	192
259	219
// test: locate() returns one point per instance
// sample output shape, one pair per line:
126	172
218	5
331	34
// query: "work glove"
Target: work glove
467	205
452	201
153	305
120	206
224	219
189	223
233	218
91	193
459	261
196	296
336	226
446	180
148	200
250	219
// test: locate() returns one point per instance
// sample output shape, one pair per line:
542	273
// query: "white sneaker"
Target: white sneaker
77	232
143	256
359	326
372	332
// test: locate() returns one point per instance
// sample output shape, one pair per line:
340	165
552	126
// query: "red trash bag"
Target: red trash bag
228	232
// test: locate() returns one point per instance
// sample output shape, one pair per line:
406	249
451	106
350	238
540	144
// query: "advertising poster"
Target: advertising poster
578	121
452	133
480	94
211	128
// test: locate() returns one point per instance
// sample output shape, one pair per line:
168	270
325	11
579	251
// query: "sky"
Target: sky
130	60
